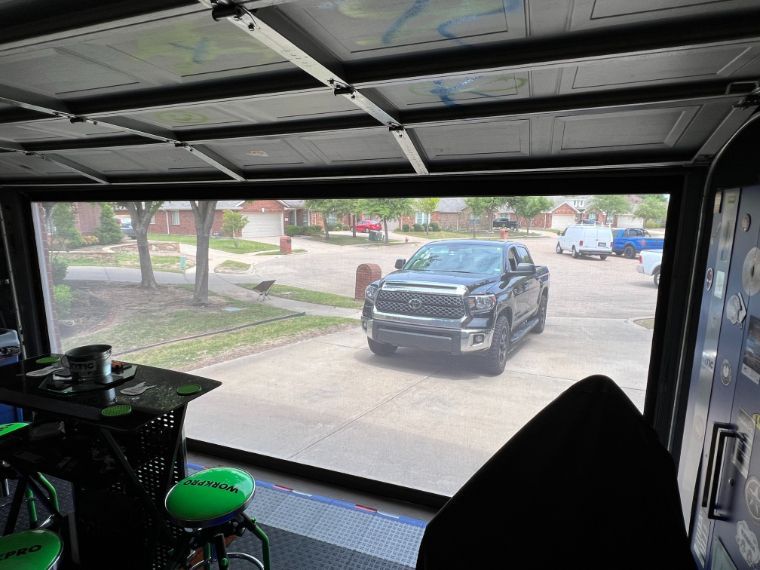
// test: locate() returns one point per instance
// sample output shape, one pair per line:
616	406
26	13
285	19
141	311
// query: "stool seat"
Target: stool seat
30	550
6	429
210	497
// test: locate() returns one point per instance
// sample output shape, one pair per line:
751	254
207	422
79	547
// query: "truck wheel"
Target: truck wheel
496	356
656	277
558	249
576	255
602	257
539	328
629	252
381	348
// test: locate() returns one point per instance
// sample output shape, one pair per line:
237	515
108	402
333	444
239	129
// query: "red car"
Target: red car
367	225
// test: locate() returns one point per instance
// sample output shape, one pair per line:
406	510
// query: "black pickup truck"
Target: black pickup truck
460	297
506	223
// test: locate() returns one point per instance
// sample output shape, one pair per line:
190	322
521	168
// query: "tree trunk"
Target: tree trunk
353	224
385	226
203	212
141	213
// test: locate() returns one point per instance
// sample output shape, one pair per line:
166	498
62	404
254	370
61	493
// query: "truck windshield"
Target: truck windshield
459	258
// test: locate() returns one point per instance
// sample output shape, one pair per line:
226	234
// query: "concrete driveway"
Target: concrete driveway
418	419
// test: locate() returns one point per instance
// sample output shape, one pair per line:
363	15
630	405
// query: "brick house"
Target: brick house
452	214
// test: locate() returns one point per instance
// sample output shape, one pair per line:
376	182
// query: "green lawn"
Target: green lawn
277	252
309	296
190	353
481	234
135	329
123	259
221	244
350	240
233	266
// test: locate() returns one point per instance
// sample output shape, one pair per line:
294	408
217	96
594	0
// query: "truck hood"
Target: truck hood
469	280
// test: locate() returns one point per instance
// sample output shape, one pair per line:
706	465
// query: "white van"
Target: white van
586	240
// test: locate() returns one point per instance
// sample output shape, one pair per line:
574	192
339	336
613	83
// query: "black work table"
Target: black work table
120	467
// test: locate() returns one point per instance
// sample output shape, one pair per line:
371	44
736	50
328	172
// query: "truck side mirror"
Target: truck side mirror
400	263
525	269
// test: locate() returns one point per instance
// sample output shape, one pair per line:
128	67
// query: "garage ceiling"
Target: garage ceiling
124	92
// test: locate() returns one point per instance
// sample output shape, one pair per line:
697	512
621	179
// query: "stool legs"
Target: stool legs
250	524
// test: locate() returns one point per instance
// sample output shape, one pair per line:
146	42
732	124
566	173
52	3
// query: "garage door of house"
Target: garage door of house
263	225
561	221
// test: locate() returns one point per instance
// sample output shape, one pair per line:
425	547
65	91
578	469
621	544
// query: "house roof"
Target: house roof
185	205
451	205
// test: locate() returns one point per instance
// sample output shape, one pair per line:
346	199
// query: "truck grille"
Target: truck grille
420	304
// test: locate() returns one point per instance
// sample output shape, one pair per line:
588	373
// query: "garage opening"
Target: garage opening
400	380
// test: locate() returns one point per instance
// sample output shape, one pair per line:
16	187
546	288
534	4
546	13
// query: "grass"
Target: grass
136	329
309	296
481	234
341	240
190	353
646	323
222	244
122	259
233	266
278	252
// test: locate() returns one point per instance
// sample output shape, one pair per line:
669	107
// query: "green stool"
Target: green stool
30	485
30	550
211	503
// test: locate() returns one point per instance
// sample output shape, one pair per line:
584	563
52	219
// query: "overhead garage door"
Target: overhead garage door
263	225
561	221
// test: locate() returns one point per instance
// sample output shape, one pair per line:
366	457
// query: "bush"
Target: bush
109	230
434	227
63	299
295	230
405	228
60	267
336	227
418	228
93	240
313	230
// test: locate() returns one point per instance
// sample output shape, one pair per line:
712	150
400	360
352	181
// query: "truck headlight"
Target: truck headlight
371	292
480	303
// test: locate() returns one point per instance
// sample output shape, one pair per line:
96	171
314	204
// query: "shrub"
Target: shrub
405	228
313	230
93	240
434	227
60	267
63	299
294	231
109	230
336	227
418	228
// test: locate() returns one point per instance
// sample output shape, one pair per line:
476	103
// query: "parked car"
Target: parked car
365	226
631	241
585	239
460	297
650	261
127	229
506	223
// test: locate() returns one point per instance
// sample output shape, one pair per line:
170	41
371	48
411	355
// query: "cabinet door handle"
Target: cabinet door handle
721	432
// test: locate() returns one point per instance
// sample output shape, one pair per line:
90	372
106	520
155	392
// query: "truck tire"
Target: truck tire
558	249
542	306
381	348
576	255
656	277
629	251
496	356
602	257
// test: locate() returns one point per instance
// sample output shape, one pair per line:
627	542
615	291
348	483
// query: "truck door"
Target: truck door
518	288
532	287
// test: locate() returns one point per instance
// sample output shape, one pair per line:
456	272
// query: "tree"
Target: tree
427	206
652	208
232	223
327	207
141	214
611	205
65	234
388	209
109	230
203	212
529	206
480	205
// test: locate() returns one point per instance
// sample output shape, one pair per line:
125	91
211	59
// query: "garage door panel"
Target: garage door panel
263	225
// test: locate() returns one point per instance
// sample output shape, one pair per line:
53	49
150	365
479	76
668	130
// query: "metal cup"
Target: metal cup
90	362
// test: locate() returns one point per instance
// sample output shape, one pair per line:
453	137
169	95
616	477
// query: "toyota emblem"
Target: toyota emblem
414	303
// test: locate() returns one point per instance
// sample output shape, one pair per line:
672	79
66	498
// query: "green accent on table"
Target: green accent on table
116	411
29	550
5	429
210	497
189	389
47	360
